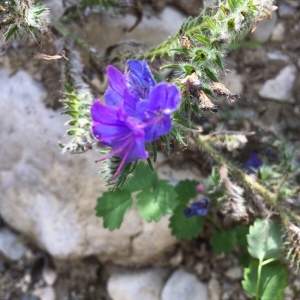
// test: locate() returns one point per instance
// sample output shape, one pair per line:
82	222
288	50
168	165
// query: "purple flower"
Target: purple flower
253	163
199	208
156	112
140	80
123	133
137	110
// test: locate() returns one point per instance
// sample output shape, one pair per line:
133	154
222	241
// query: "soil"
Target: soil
19	279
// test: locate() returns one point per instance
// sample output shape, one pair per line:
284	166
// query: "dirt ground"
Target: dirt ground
19	279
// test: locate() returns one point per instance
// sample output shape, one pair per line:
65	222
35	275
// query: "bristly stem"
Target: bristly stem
269	197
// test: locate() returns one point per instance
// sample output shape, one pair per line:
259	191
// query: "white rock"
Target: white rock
234	273
280	88
265	28
10	245
183	285
278	33
286	11
214	289
51	197
234	82
45	293
137	284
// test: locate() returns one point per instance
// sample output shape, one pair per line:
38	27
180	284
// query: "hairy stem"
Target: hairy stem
269	197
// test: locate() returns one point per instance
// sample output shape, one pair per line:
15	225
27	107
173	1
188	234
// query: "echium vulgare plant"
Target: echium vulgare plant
241	203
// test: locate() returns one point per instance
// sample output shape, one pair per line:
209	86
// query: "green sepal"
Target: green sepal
202	39
210	23
211	74
176	135
11	30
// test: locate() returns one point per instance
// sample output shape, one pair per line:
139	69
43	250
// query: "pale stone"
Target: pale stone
234	82
137	284
234	273
214	289
278	33
265	28
10	245
280	88
184	285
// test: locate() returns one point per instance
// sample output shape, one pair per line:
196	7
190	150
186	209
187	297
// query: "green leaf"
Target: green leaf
273	280
202	39
186	190
143	178
223	242
112	206
11	30
155	203
210	73
210	23
265	240
241	232
170	66
219	61
232	4
183	227
177	136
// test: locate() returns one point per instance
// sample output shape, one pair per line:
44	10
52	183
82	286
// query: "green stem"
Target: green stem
258	278
265	262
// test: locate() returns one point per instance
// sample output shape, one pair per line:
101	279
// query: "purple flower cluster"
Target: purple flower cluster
253	163
199	208
136	110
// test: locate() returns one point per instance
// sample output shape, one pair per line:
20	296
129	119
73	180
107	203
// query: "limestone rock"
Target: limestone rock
265	28
51	197
280	88
10	245
183	285
137	284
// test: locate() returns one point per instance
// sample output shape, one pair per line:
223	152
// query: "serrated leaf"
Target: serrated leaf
112	206
265	240
143	178
202	39
155	203
273	280
241	232
223	242
183	227
186	190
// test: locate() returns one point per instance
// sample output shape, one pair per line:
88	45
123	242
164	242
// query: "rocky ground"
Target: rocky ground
59	249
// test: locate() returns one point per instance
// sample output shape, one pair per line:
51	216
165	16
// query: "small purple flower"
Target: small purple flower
253	163
137	110
199	208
